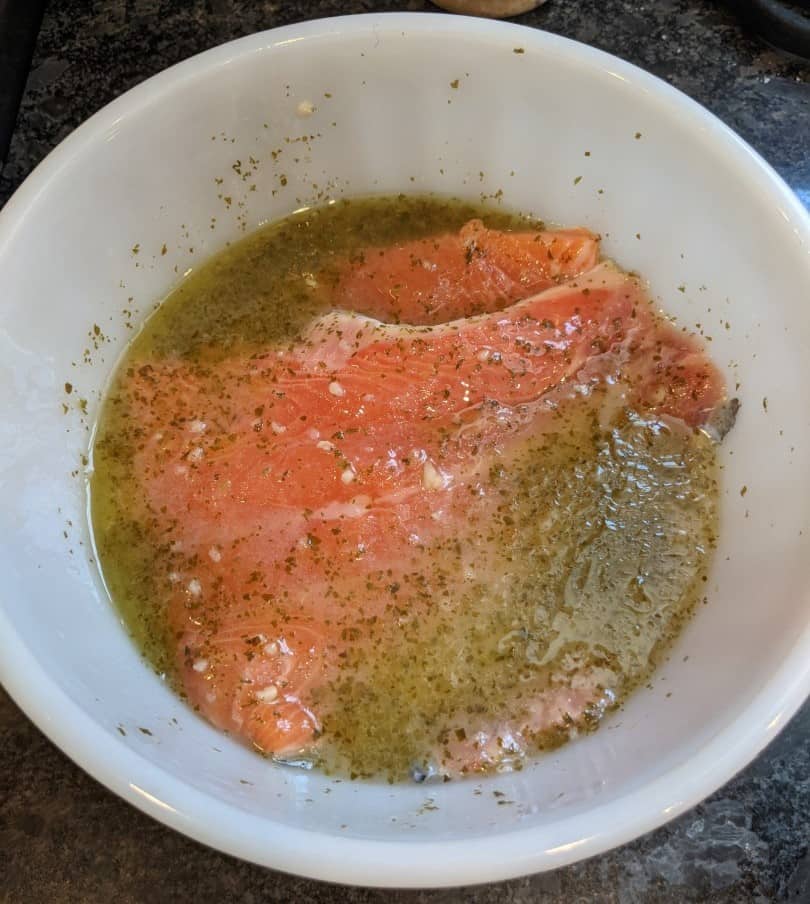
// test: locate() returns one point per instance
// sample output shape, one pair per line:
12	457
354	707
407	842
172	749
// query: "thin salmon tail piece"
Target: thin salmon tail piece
455	275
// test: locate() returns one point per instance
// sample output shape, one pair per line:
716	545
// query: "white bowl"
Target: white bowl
713	219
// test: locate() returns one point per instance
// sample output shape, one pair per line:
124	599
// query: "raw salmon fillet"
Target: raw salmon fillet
296	490
474	271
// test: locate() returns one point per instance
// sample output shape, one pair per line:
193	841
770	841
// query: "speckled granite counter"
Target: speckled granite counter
65	838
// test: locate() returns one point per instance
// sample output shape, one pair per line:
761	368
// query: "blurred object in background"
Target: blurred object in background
783	24
493	9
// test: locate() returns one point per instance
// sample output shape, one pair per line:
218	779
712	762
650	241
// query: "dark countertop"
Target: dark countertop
64	837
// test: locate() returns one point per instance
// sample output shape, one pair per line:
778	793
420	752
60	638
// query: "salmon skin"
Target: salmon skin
475	271
297	491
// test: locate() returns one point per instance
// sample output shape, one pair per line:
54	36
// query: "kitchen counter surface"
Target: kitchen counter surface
63	836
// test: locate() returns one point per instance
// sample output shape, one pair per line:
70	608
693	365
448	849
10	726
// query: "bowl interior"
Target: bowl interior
192	159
